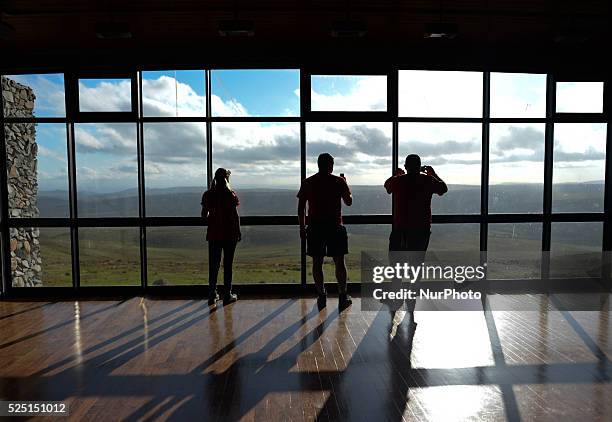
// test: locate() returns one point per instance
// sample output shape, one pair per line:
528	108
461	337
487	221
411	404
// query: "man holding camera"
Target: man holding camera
325	235
412	191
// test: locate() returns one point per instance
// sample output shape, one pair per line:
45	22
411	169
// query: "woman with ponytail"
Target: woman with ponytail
219	207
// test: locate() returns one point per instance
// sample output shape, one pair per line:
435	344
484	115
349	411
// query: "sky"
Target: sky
267	154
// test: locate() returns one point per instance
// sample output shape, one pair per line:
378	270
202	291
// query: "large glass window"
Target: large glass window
264	159
518	95
177	255
40	95
174	93
267	254
579	167
265	93
105	95
575	250
109	256
362	151
454	151
175	168
516	168
107	169
426	93
348	93
514	251
40	257
37	169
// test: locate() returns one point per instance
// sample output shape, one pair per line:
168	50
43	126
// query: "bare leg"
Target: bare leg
317	274
340	273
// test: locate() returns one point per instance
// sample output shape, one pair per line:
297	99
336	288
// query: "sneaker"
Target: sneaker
213	298
344	301
322	301
230	298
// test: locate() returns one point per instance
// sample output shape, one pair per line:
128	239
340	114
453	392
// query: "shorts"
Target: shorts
326	240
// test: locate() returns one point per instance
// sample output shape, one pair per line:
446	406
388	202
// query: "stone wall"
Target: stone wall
21	152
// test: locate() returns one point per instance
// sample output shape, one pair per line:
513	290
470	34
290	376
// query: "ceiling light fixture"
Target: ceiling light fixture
236	28
441	30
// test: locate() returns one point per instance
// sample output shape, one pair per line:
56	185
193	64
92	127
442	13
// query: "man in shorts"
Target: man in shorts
325	235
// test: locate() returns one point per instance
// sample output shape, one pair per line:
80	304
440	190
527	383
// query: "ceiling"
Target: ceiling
290	28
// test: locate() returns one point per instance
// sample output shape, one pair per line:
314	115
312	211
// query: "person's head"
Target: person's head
413	163
325	163
221	179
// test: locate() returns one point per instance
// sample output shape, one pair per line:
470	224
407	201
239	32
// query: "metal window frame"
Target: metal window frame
391	115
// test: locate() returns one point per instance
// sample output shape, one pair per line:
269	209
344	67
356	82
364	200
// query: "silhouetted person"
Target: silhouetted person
325	235
219	205
412	191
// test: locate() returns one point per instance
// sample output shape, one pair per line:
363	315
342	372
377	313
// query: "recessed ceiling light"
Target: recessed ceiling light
441	30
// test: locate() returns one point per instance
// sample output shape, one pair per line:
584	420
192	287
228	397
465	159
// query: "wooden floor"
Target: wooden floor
282	359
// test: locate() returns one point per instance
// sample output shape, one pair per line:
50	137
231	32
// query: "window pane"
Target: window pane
514	251
579	167
265	162
454	151
37	169
516	168
518	95
109	256
575	250
174	93
264	93
267	254
177	255
348	93
362	151
456	244
39	95
425	93
107	170
40	257
105	95
175	168
580	97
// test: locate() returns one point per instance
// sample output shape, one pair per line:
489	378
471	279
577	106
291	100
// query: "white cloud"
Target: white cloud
366	93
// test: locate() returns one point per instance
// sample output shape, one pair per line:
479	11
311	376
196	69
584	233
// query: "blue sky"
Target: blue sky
176	153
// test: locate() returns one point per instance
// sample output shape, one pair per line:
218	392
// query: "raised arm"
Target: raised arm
389	182
440	185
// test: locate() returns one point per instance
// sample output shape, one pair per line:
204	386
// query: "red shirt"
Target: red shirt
412	199
324	193
223	219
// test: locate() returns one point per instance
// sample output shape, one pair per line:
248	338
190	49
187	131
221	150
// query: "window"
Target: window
107	169
426	93
514	251
248	93
267	254
362	151
40	257
105	95
37	170
348	93
264	159
516	168
177	255
575	250
454	151
40	95
579	167
109	256
175	168
174	93
580	97
518	95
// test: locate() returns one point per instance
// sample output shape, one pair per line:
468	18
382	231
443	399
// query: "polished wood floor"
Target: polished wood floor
282	359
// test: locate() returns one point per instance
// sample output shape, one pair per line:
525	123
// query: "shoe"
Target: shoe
322	301
344	301
213	298
230	298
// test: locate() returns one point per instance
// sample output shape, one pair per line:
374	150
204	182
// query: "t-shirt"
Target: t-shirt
412	199
223	219
324	193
